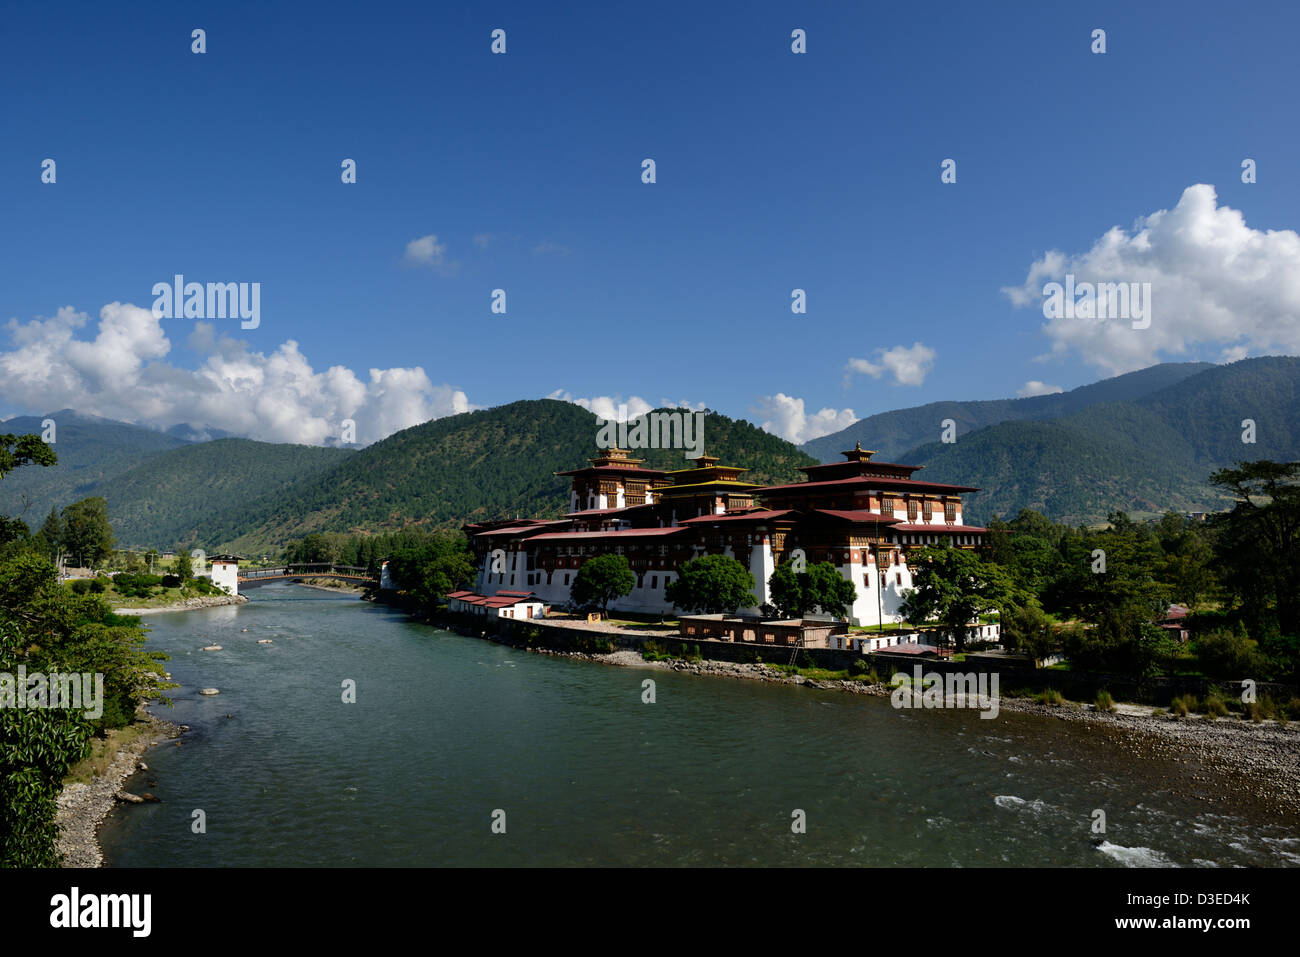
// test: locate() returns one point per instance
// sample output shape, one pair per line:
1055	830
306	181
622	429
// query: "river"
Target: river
449	735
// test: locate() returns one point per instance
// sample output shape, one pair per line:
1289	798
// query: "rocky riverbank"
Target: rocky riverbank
83	807
1262	759
187	604
334	585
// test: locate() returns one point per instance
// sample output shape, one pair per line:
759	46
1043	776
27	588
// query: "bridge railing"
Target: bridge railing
314	568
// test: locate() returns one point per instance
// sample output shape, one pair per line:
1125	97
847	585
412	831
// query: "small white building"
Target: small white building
225	573
504	604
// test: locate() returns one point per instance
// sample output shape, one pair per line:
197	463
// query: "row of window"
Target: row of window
925	509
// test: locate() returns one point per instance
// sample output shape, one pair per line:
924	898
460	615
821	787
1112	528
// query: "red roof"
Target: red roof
520	529
503	599
616	469
623	532
857	515
759	515
606	511
871	481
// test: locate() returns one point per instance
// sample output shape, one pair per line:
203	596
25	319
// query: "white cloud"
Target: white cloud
427	253
1214	282
276	397
1034	387
907	366
607	406
683	404
784	416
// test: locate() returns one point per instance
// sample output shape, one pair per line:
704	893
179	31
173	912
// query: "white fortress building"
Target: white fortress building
860	515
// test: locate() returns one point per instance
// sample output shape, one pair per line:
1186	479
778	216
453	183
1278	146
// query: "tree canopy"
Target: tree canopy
820	586
954	587
712	585
601	580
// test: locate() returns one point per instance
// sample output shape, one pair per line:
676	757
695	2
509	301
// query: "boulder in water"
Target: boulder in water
209	691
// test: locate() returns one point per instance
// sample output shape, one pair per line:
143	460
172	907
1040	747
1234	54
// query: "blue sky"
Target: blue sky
775	171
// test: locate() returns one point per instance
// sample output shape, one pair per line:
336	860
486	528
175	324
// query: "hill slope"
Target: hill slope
494	463
91	451
171	498
1142	456
893	433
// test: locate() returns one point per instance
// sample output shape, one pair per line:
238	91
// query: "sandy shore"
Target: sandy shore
83	807
189	604
1261	759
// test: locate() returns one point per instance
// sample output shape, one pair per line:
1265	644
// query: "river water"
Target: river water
450	734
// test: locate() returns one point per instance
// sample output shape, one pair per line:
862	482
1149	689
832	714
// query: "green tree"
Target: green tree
954	587
1026	629
87	534
431	569
1119	644
45	628
1259	542
821	586
1228	653
51	535
313	549
184	564
787	592
712	585
16	450
828	590
600	580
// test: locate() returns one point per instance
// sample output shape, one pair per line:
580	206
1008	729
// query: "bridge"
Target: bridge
349	573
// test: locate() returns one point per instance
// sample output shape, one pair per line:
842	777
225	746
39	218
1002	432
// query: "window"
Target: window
911	510
654	581
950	512
898	577
887	507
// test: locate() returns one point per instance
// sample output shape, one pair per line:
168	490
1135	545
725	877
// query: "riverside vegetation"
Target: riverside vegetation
48	628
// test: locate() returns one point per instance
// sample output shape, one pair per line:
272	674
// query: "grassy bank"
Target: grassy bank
103	751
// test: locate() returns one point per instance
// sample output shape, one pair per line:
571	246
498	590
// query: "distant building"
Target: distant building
861	516
504	604
1174	622
224	572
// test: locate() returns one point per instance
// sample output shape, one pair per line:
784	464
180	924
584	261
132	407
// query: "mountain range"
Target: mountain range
1142	442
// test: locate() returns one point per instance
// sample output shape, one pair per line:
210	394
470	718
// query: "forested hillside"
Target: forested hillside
494	463
894	433
175	498
90	451
1143	456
